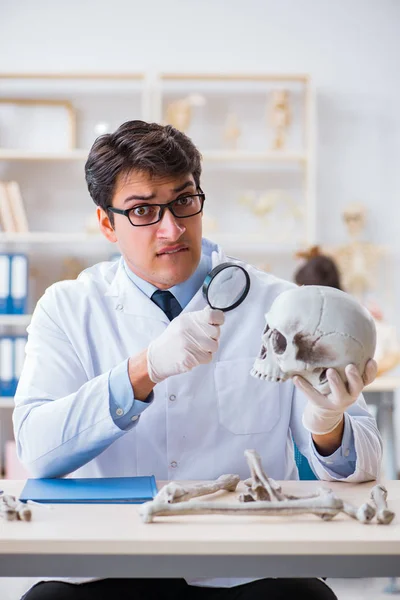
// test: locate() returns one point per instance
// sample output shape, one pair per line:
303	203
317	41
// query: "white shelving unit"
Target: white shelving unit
15	320
52	237
52	182
6	402
25	155
251	162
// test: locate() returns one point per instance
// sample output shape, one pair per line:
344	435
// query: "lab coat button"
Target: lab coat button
174	464
172	397
134	418
119	412
346	452
119	307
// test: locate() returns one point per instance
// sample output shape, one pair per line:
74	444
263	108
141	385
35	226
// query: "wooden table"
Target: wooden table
381	393
111	541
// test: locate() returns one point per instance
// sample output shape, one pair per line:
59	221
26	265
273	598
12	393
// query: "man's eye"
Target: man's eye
186	201
141	211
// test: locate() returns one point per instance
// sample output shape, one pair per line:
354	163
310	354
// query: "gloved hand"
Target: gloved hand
323	413
189	340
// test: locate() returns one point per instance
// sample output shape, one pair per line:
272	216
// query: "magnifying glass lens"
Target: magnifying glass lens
226	286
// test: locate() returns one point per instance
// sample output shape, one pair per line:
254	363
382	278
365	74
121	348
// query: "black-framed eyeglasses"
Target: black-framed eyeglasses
183	207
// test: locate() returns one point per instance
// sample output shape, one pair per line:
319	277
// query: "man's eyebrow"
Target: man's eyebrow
183	186
152	196
142	198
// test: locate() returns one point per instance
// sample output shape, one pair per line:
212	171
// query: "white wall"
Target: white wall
351	48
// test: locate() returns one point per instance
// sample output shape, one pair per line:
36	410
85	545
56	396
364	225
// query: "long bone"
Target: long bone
174	492
379	496
327	505
275	485
261	485
365	513
250	494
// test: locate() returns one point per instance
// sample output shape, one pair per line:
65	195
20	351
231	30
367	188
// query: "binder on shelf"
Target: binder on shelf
8	383
5	284
19	356
6	215
98	490
19	284
17	207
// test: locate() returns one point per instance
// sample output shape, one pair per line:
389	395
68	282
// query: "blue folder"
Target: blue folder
108	490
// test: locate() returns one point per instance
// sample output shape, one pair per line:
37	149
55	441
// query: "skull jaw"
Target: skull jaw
273	373
268	372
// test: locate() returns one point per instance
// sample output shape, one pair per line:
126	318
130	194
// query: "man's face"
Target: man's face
164	253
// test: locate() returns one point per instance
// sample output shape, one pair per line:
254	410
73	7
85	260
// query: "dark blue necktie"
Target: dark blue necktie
167	302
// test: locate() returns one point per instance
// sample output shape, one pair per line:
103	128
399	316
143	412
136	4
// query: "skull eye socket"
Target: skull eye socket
279	342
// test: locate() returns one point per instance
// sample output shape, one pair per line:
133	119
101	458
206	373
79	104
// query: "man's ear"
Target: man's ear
105	225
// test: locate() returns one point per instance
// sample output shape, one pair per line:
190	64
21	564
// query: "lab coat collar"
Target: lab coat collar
135	302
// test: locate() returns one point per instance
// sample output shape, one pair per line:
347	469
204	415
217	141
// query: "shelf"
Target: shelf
240	156
7	402
208	156
28	155
21	320
254	244
52	237
385	383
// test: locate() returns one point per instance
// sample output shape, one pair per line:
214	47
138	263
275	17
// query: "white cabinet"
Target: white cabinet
260	198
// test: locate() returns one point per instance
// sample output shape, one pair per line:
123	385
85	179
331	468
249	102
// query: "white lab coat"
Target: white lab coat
199	423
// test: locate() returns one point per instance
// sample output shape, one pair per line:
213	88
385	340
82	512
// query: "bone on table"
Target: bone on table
261	485
365	513
328	506
13	510
379	495
175	492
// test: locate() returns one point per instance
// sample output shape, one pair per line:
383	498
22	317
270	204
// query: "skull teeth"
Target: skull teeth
265	377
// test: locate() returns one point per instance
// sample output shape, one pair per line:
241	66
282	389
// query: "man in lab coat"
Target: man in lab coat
122	378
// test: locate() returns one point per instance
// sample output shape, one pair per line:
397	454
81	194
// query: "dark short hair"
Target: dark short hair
319	270
139	146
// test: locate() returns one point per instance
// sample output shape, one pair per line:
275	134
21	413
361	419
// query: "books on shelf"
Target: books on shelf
14	277
13	218
12	356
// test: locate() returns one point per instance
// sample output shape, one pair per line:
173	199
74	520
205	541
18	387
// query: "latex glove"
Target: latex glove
323	413
189	340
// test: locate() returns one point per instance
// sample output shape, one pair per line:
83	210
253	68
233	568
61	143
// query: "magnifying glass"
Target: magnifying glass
226	286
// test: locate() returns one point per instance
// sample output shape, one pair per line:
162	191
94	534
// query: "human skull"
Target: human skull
310	329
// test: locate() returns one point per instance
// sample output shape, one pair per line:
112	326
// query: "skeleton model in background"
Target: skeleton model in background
279	214
279	117
263	497
232	131
310	329
359	262
179	112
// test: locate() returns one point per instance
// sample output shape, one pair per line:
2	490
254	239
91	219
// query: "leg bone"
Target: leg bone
365	513
328	506
379	496
174	492
260	479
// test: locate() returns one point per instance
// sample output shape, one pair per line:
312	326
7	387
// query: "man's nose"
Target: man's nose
170	226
